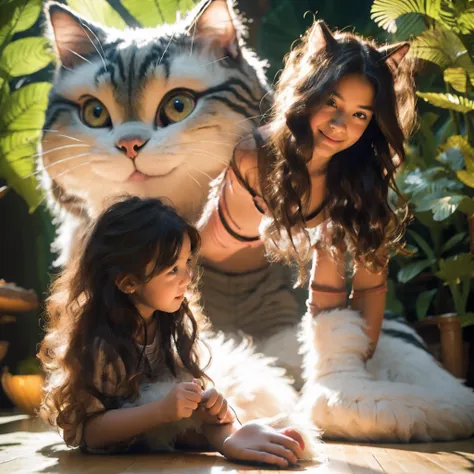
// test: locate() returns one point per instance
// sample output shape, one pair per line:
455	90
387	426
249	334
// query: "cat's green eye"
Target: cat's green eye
176	107
95	115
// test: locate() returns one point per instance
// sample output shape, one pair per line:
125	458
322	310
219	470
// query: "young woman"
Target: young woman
119	318
315	181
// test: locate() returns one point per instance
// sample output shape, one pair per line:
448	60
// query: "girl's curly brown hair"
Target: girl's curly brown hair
86	306
358	178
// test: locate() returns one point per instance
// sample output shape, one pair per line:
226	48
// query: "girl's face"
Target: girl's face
165	291
340	122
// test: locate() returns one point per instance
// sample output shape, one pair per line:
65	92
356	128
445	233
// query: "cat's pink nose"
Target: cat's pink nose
131	145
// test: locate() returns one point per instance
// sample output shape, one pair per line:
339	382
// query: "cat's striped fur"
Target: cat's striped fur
131	73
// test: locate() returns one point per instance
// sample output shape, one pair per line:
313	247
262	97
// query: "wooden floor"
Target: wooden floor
26	447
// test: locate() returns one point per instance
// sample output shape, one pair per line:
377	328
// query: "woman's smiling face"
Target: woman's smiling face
343	119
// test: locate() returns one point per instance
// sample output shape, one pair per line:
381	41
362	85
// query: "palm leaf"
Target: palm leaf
151	13
98	11
457	78
386	12
448	101
26	56
460	144
442	47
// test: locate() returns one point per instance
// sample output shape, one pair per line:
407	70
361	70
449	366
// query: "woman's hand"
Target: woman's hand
255	442
213	409
182	401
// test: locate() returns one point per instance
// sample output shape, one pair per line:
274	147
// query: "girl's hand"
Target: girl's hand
259	443
182	401
213	409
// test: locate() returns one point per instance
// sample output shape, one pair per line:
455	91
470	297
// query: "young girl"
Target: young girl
119	318
343	107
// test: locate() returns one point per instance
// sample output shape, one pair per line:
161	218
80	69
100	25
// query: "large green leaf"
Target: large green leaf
386	12
20	122
98	11
151	13
26	56
19	15
442	47
457	77
409	25
423	303
448	101
24	109
465	21
412	269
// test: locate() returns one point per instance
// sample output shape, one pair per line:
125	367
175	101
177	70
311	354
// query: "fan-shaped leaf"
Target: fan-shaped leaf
409	25
26	56
465	21
448	101
442	47
386	12
99	11
457	77
151	13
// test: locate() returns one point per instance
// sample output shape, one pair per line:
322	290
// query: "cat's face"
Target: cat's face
156	113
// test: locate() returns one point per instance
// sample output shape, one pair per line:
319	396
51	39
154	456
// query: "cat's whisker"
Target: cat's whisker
197	169
93	44
206	153
43	153
195	180
69	170
61	135
166	49
216	61
230	145
250	118
65	136
59	162
78	55
37	155
56	186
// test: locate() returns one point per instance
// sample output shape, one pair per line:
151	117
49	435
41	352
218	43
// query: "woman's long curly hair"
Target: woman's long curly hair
86	306
358	178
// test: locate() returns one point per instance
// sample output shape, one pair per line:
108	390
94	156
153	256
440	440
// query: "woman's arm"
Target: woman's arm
369	291
327	286
232	211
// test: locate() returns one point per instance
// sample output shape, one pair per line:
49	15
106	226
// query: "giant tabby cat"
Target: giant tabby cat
157	112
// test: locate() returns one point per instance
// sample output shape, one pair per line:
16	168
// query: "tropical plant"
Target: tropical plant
438	179
22	102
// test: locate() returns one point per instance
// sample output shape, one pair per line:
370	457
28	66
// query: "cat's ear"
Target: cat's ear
74	37
321	37
393	54
216	22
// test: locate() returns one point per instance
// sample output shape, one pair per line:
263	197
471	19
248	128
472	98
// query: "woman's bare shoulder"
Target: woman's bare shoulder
246	157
